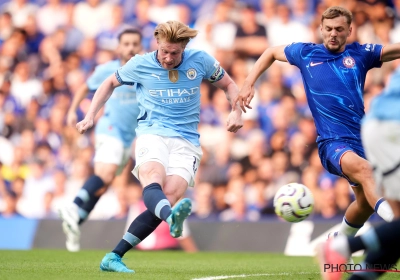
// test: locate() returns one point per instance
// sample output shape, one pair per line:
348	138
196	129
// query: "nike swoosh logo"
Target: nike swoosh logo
315	63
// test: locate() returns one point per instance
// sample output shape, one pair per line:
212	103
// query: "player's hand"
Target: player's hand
234	122
84	125
72	118
244	98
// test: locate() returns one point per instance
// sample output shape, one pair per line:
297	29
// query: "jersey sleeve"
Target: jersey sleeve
126	75
293	53
372	54
97	77
214	71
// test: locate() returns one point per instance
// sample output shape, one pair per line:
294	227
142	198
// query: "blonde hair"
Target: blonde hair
174	32
336	11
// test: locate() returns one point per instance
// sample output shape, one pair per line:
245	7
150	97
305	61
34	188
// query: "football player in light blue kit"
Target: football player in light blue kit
114	134
381	138
334	75
167	150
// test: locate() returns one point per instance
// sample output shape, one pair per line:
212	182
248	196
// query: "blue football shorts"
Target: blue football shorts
331	152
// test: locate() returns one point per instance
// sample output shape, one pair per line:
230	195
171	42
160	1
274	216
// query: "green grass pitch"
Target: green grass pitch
160	265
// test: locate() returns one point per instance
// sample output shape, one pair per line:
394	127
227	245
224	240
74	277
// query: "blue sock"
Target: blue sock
156	201
139	229
86	196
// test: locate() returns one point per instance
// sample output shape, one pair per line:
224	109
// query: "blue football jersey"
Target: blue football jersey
386	106
121	110
334	84
169	100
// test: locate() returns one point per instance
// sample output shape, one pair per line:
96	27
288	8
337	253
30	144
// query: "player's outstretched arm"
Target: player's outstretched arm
246	93
234	122
99	99
80	94
391	52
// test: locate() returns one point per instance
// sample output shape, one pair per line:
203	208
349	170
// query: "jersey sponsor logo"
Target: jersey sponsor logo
191	74
173	92
173	75
154	75
349	62
176	100
312	64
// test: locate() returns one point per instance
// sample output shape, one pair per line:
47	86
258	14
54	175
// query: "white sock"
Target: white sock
382	208
341	245
348	229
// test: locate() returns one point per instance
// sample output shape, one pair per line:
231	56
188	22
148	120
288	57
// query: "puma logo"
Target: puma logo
154	75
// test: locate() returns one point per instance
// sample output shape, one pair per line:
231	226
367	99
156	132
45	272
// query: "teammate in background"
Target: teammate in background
381	139
334	75
167	149
114	134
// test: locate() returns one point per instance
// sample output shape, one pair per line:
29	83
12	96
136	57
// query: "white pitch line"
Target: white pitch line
248	275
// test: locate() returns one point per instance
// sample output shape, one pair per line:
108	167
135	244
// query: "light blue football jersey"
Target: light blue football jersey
121	110
386	106
169	100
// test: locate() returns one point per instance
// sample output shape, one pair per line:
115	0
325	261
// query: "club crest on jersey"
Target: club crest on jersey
349	62
173	75
191	74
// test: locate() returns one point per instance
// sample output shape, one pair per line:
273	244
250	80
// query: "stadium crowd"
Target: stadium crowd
49	47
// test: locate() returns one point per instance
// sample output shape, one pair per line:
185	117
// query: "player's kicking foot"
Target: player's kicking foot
112	262
350	260
179	213
330	261
69	215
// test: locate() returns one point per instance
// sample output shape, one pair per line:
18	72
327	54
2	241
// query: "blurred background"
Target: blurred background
48	48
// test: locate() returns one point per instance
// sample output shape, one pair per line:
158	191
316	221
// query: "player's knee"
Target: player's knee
364	170
148	172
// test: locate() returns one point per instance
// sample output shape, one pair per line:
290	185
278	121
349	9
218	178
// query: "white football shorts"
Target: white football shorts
381	140
179	156
111	150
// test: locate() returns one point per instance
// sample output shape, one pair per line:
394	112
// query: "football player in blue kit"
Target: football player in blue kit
333	75
114	134
167	149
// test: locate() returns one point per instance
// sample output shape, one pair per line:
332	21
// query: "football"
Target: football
293	202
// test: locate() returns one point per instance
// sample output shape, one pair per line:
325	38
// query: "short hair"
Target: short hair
174	32
129	31
336	11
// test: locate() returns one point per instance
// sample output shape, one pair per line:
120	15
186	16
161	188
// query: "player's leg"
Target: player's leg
140	228
153	156
360	171
381	243
383	151
145	224
110	156
184	161
332	155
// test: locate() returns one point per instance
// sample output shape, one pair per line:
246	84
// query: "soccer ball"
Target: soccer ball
293	202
